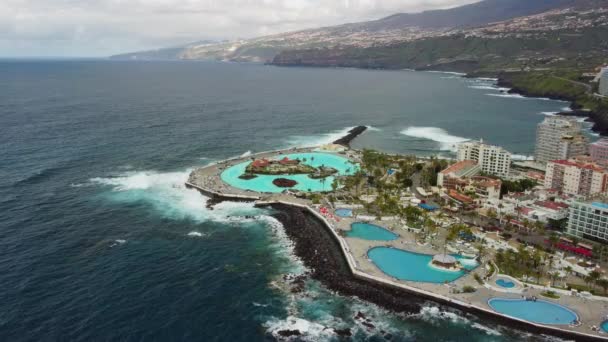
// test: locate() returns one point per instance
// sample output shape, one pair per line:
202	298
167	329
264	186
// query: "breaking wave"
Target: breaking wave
447	142
510	96
165	192
318	139
489	87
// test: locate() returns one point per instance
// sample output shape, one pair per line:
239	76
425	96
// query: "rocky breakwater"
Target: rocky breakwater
352	134
316	246
321	253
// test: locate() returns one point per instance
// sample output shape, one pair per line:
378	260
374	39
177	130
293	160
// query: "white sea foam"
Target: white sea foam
283	246
310	331
195	234
549	113
510	96
446	72
246	154
166	193
485	329
433	314
447	142
317	139
372	128
260	305
566	109
118	242
489	87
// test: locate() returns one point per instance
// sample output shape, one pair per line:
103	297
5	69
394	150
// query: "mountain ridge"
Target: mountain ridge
401	27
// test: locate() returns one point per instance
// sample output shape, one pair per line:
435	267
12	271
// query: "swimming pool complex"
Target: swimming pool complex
405	265
368	231
539	311
263	183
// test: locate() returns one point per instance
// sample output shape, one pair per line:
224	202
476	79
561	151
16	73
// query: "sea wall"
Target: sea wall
321	251
352	134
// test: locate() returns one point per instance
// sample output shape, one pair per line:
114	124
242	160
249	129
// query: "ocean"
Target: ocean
100	240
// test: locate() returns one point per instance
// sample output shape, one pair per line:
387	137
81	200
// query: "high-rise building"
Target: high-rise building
493	160
599	151
589	220
559	138
576	177
603	88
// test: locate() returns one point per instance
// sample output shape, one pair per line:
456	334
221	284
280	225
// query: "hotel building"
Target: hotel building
589	220
576	177
559	138
493	160
599	151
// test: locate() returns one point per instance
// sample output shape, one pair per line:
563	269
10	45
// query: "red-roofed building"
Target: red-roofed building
287	161
459	197
260	163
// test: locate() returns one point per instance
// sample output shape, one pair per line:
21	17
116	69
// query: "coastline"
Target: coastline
320	251
331	262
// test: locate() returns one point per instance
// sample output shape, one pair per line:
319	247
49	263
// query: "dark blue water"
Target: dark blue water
100	241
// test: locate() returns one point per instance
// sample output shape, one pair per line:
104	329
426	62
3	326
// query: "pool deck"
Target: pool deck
591	312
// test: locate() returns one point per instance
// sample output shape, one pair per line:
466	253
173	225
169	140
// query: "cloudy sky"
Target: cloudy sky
105	27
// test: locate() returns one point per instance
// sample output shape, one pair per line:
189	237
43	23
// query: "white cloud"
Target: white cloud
103	27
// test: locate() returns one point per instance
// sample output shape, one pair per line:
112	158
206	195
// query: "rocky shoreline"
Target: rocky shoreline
600	123
321	253
352	134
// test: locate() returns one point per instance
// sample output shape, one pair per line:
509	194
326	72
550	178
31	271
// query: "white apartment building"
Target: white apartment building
493	160
589	220
559	138
576	177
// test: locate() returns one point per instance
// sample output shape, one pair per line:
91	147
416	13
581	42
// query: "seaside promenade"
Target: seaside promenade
590	311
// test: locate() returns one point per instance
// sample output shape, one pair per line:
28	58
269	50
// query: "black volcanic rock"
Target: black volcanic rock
284	182
321	253
352	134
289	333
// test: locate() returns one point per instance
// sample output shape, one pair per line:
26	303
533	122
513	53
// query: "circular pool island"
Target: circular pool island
445	261
234	175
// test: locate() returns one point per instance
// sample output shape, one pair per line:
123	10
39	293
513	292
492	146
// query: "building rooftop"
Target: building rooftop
580	165
460	167
551	205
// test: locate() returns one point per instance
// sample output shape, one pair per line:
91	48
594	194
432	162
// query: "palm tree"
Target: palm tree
553	240
481	250
603	283
568	269
594	276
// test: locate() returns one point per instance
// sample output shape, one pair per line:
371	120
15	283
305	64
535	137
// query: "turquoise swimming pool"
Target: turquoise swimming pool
263	183
539	311
505	283
368	231
344	212
604	326
405	265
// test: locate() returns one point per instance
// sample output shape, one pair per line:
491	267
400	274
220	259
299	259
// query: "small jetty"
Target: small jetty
352	134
